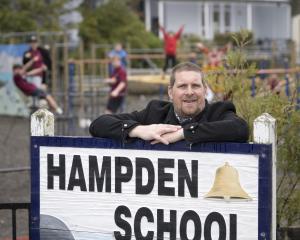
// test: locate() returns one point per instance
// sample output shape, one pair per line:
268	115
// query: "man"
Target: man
43	58
170	46
118	86
188	116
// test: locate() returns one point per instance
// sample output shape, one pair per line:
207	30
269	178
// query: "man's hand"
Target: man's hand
154	132
171	137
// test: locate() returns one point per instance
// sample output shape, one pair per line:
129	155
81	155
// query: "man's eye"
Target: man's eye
196	86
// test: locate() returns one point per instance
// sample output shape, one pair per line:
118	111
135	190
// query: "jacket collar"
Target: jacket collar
171	118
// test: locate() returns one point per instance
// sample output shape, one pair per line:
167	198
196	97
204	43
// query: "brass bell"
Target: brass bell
227	185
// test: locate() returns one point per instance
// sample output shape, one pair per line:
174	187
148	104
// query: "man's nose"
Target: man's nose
189	90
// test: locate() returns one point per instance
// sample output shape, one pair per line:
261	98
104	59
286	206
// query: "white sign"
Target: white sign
142	194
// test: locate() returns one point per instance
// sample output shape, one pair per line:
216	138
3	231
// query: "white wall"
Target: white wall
296	34
239	16
178	13
271	21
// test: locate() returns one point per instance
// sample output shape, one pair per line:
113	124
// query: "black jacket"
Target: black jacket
216	123
45	54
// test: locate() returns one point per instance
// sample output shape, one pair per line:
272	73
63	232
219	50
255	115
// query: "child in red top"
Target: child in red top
170	46
118	86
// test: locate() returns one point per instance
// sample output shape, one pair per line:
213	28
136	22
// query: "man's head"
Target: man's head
33	42
187	89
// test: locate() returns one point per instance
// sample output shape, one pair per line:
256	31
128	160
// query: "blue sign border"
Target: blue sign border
264	151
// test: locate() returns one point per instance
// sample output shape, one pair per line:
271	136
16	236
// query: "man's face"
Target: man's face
188	93
34	45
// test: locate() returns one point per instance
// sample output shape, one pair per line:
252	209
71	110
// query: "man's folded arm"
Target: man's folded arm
114	126
230	128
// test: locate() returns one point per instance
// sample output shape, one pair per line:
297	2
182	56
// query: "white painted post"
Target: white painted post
161	16
42	123
264	131
148	15
249	16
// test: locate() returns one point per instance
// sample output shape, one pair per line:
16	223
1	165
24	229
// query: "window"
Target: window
227	16
216	18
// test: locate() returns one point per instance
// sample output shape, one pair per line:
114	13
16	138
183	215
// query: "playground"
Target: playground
78	85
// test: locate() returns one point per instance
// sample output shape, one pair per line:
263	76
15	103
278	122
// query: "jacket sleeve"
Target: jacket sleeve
225	126
116	126
26	57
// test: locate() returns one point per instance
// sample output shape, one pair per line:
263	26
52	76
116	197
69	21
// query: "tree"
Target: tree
28	15
115	22
295	7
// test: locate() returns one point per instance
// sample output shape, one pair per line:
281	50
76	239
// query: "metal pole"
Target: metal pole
81	79
298	90
71	68
54	69
287	84
66	73
14	224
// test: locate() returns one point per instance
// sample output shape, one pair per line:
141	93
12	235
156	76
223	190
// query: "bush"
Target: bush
222	39
236	80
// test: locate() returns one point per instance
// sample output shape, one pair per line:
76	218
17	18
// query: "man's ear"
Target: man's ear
170	93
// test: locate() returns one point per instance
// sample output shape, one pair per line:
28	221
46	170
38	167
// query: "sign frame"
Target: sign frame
264	152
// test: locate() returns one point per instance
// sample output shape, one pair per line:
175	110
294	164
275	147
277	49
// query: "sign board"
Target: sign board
97	189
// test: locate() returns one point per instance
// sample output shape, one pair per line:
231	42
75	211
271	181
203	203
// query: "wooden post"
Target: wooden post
129	64
274	51
66	70
264	131
293	53
93	56
81	78
54	69
42	123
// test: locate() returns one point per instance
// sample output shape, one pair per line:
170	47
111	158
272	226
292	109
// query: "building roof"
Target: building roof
240	1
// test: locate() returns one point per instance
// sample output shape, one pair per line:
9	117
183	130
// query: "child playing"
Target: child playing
29	89
118	86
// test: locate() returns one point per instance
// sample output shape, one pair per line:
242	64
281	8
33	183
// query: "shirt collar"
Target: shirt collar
173	117
183	120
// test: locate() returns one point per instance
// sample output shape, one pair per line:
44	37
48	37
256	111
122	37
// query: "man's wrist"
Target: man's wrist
134	132
181	132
